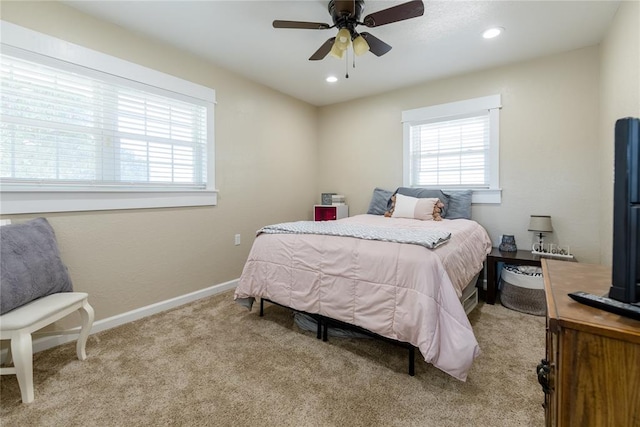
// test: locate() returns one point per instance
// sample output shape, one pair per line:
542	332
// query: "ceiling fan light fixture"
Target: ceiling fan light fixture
360	45
342	39
336	52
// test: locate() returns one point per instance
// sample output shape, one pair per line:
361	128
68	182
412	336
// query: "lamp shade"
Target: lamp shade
540	223
360	45
336	52
342	39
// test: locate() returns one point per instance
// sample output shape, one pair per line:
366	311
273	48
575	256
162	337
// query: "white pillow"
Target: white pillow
412	207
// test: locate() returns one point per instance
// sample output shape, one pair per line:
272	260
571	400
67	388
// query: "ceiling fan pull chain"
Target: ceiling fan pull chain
346	65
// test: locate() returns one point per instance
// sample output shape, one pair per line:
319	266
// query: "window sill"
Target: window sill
487	196
74	201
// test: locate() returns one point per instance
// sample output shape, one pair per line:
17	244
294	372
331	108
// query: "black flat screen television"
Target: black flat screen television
625	268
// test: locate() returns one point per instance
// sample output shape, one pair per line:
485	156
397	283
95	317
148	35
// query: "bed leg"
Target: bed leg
319	329
325	332
261	307
412	361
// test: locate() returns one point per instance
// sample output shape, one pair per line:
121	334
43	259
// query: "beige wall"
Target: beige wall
549	152
265	171
620	97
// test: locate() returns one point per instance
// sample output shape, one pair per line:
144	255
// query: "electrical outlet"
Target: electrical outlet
237	241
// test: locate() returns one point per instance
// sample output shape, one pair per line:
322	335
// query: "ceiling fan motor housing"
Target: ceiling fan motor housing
346	14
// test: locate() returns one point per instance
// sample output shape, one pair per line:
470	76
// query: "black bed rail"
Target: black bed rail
325	322
316	317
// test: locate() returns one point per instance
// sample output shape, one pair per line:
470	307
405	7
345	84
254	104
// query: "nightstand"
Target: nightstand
330	212
517	258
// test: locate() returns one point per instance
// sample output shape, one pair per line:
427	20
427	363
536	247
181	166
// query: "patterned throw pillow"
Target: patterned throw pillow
427	193
425	209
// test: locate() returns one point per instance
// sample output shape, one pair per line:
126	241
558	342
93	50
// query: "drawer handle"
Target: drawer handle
543	369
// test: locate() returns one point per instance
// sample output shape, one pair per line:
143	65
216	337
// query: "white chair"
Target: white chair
19	324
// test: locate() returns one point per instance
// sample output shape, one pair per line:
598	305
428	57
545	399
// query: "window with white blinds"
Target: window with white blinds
60	128
66	126
451	153
454	146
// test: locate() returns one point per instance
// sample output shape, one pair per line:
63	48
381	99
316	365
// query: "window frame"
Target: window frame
34	199
453	110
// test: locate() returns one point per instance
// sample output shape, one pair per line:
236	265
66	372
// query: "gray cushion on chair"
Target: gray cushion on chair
30	264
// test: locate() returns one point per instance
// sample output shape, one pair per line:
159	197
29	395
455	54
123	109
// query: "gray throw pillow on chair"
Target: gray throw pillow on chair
30	264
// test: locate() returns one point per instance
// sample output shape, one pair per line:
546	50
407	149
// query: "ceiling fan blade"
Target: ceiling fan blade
323	51
403	11
376	46
300	25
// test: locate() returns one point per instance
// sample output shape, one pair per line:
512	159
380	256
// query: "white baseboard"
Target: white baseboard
45	343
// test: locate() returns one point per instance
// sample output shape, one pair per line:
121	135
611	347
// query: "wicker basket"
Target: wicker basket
523	289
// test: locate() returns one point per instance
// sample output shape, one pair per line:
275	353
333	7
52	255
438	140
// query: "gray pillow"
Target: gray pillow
426	193
30	264
459	204
380	201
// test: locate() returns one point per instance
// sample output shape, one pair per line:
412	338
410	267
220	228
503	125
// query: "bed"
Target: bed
401	290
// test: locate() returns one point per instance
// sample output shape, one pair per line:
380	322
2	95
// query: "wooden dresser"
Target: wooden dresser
593	373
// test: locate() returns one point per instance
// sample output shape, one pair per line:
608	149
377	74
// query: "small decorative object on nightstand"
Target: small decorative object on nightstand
327	198
508	244
338	199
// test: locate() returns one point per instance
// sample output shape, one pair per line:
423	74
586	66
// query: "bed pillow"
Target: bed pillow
412	207
427	193
380	201
459	204
30	264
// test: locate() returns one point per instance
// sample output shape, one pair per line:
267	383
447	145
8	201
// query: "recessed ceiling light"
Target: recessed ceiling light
332	79
492	32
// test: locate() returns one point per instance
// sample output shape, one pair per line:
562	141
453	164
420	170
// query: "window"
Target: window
454	146
75	137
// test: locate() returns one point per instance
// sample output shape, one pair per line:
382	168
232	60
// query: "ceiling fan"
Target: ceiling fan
345	15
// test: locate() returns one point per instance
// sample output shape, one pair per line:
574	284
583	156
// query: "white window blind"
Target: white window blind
451	153
64	127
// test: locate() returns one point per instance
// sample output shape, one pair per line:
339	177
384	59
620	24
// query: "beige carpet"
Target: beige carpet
213	363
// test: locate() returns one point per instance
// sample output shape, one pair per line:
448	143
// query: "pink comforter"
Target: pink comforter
400	291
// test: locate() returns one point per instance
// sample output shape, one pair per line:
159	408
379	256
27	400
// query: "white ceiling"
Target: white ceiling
446	40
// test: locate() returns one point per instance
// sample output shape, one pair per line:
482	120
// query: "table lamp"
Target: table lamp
540	224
